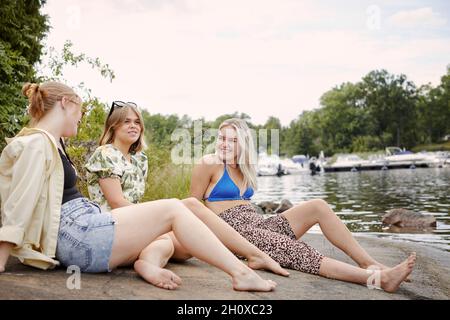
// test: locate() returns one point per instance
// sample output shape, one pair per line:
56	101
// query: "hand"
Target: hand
5	249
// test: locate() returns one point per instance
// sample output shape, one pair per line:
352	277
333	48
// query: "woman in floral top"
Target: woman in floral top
117	173
109	162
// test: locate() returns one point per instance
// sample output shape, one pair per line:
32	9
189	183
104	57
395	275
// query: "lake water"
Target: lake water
361	198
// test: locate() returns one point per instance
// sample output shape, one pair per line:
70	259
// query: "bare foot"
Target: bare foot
393	277
267	263
157	276
249	280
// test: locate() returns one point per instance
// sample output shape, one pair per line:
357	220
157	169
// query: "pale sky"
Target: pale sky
205	58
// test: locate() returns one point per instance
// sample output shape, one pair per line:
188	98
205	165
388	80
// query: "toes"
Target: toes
176	279
272	283
167	286
172	286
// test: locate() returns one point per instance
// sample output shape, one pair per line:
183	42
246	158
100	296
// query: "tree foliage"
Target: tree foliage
22	29
380	110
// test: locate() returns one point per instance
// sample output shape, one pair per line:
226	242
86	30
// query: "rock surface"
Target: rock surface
430	279
404	218
270	207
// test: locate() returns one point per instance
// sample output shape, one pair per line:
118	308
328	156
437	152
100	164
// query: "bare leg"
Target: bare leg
303	216
5	249
138	225
256	258
180	253
390	279
152	260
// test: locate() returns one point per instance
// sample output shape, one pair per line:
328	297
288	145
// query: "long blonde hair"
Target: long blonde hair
118	117
247	158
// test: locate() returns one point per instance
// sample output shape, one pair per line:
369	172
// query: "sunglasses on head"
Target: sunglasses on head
120	104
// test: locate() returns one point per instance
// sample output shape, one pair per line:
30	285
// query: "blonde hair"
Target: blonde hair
42	97
247	157
118	117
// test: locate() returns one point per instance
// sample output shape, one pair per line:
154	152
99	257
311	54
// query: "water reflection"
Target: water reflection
361	198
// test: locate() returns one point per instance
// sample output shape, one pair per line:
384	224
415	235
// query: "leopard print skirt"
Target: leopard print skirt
275	237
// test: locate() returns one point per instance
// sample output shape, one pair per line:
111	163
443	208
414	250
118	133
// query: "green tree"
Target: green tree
342	117
159	128
391	103
22	29
273	138
216	123
302	137
440	108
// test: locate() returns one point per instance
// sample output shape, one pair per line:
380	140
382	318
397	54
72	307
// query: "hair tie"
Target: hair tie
33	89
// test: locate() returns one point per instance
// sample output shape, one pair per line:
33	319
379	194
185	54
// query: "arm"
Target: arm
21	197
112	190
25	188
5	250
201	176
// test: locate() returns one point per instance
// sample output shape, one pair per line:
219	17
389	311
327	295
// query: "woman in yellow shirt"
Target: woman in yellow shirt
46	219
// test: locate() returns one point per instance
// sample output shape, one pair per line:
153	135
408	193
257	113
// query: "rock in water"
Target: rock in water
258	208
284	205
268	206
409	219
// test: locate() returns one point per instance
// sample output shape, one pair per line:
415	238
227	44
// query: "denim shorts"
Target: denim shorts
85	236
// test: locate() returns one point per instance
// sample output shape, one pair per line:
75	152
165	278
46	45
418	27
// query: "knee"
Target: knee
321	206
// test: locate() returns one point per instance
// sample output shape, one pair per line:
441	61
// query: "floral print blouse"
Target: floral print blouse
108	162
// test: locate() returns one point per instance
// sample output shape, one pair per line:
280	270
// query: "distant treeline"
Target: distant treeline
380	110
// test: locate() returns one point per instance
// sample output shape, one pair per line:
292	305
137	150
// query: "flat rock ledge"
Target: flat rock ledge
430	279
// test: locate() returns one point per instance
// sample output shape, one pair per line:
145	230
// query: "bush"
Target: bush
165	179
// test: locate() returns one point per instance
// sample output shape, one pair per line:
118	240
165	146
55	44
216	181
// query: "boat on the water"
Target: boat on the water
395	158
269	165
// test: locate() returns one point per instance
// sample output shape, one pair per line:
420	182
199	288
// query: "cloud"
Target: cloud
422	17
207	57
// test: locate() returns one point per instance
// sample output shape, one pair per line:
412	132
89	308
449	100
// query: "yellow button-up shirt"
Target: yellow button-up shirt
31	190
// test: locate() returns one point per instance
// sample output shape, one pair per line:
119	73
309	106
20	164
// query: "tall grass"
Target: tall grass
168	181
165	179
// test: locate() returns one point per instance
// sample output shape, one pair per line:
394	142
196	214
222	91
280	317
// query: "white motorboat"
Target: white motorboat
269	165
291	167
349	161
400	157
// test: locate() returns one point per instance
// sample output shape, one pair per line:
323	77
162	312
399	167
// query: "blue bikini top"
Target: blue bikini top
226	189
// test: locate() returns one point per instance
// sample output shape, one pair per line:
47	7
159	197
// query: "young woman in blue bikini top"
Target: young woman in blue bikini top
227	178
